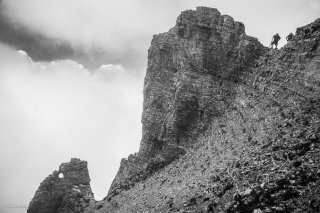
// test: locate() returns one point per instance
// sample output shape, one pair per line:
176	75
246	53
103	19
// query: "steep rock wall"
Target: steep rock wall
191	78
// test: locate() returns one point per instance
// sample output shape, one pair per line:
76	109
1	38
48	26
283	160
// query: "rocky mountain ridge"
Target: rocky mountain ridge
228	124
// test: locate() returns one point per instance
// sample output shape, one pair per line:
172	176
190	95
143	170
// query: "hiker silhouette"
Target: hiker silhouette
275	40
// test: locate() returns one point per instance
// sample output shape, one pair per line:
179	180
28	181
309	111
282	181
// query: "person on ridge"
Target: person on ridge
275	40
289	37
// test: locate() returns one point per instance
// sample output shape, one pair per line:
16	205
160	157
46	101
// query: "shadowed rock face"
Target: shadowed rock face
190	80
64	191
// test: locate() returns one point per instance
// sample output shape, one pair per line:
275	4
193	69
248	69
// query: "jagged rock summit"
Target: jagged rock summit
190	80
64	191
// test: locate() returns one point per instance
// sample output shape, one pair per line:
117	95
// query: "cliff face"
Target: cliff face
64	191
228	125
191	71
191	78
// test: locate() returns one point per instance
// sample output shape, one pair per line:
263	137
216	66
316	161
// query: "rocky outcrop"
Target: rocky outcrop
64	191
190	80
228	126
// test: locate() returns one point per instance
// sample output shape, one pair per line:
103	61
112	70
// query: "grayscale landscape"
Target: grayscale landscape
160	106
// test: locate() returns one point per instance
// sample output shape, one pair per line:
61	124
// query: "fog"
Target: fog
50	112
75	88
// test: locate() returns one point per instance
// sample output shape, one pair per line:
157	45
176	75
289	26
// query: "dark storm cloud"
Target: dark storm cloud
103	32
42	48
38	46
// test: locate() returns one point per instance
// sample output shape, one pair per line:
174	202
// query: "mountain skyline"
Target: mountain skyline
76	88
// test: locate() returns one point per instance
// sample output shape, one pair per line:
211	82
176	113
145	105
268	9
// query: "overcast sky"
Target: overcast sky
76	88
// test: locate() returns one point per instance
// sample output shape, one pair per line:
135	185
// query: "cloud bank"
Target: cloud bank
52	111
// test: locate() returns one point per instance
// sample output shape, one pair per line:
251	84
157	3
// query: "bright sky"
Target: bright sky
51	111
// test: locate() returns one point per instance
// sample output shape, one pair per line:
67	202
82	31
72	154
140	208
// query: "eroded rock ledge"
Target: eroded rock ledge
64	191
